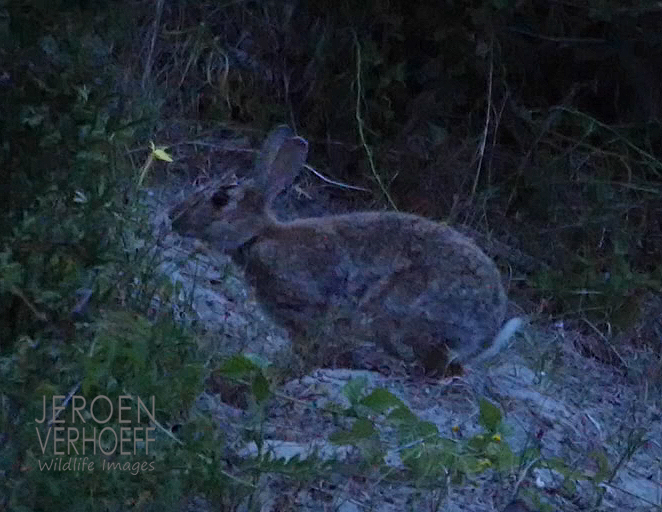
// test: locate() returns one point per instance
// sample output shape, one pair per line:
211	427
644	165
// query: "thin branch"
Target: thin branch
150	54
359	122
481	150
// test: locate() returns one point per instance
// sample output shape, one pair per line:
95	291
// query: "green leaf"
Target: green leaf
238	366
404	415
603	466
426	429
260	387
381	400
160	154
354	389
11	272
361	430
490	415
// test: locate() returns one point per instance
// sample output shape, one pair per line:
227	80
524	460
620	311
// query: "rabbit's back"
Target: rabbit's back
386	277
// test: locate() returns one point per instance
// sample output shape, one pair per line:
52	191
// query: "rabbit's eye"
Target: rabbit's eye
220	198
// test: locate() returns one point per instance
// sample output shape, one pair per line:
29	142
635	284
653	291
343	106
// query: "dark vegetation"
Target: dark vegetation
537	122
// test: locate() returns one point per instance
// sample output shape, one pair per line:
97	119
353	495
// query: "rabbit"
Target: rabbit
416	287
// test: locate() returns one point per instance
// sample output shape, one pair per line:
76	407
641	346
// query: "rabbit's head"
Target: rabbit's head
229	216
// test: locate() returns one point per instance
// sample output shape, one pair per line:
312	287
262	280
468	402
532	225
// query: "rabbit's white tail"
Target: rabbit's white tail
500	340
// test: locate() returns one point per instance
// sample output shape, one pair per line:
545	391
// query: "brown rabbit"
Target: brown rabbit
399	280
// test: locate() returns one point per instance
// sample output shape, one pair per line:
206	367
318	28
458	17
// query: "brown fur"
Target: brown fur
408	283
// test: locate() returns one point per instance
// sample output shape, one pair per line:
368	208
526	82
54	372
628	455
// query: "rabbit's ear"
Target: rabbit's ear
270	148
286	166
